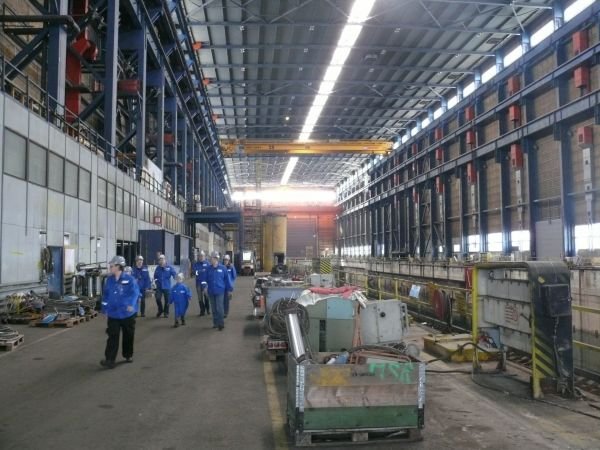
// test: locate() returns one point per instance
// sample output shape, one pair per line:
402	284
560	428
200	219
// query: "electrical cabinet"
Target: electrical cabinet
383	321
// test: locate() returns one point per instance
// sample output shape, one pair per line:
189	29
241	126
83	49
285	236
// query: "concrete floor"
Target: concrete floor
197	388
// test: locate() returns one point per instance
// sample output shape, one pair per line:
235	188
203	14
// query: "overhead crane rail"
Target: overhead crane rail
233	147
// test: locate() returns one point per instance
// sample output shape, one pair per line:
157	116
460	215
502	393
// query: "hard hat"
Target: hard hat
180	277
128	270
139	258
226	257
118	261
161	257
214	255
202	253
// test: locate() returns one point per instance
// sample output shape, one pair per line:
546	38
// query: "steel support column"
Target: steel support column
482	206
140	128
463	208
57	58
566	186
111	65
505	212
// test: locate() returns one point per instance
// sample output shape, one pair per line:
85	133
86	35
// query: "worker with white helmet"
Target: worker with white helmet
119	303
142	276
162	279
200	269
180	297
232	276
219	284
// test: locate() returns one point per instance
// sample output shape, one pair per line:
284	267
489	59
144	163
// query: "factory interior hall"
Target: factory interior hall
259	224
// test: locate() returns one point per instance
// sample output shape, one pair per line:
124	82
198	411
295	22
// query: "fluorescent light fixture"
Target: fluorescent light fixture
288	195
396	144
340	55
358	14
437	113
289	169
425	122
469	89
326	87
404	138
414	131
452	102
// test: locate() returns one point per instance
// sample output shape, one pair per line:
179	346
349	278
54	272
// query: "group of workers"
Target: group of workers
124	297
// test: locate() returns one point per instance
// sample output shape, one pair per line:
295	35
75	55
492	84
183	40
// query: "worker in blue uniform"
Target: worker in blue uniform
142	276
199	269
162	279
119	303
232	276
180	297
219	284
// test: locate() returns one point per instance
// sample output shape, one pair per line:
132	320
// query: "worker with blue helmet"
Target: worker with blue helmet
180	298
119	303
219	284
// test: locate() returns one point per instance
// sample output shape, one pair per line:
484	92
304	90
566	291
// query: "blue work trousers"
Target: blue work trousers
216	304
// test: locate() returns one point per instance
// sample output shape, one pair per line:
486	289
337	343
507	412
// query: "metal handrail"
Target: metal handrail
57	114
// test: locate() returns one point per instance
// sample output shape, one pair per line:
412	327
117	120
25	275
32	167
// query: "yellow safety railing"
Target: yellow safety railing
587	310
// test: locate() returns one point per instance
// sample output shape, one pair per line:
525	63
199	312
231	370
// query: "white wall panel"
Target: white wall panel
102	217
119	233
14	201
18	119
56	141
71	215
84	218
85	158
37	206
56	209
20	254
38	130
84	249
72	151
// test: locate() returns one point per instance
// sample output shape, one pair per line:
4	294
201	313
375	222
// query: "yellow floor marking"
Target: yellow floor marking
56	333
277	421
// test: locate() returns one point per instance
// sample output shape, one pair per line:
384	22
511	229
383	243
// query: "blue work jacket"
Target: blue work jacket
142	276
218	280
162	276
180	296
120	294
232	274
200	269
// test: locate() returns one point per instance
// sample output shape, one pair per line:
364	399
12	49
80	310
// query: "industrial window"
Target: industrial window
102	192
587	237
71	178
56	169
494	242
521	240
85	185
119	200
15	154
126	203
110	196
36	164
473	243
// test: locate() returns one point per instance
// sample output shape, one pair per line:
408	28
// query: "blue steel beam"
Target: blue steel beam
324	64
142	62
110	78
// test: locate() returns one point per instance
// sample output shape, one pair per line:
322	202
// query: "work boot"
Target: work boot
158	315
129	359
182	321
221	328
166	316
108	364
176	324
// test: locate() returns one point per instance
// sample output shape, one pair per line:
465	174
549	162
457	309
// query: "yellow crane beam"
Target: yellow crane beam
232	147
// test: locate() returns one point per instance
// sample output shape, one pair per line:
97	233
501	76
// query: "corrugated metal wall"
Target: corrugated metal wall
301	237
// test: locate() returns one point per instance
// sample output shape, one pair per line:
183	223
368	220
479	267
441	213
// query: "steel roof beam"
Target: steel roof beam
323	116
286	108
242	83
400	26
375	48
295	95
348	66
507	3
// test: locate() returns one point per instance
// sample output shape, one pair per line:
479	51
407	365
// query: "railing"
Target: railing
37	100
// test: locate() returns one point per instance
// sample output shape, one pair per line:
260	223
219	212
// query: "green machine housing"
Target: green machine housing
526	306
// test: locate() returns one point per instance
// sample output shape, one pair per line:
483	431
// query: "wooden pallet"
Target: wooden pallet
22	319
356	437
9	345
65	323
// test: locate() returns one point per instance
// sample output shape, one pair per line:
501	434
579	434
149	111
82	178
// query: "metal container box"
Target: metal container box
359	399
383	321
331	324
